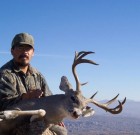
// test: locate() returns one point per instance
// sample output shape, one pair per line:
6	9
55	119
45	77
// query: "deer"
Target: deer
53	109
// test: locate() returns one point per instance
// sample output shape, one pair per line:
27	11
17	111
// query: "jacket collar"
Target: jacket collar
30	70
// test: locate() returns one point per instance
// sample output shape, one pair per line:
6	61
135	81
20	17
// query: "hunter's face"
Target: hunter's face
22	54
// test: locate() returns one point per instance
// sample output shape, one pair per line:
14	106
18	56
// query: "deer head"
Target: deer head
78	101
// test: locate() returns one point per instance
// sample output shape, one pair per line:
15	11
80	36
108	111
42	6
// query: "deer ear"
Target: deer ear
65	85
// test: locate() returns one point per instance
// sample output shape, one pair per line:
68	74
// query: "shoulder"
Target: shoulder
7	68
6	71
35	72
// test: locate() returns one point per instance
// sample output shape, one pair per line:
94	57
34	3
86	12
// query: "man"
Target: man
18	79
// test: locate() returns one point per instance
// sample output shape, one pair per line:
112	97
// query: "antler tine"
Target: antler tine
93	95
84	83
84	53
118	108
124	101
111	101
78	60
121	103
104	106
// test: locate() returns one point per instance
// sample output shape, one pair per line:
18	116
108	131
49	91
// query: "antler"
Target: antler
78	60
104	106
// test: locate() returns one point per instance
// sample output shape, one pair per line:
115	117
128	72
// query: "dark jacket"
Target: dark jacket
13	83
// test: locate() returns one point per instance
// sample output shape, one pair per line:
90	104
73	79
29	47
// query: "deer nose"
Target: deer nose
76	114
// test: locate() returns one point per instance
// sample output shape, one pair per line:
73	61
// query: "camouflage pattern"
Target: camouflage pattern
13	83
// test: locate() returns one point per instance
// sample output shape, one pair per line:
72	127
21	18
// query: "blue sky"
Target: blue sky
110	28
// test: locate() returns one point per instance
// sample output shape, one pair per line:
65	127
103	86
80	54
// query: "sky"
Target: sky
110	28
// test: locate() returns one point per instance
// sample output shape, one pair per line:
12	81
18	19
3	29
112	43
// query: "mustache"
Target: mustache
23	56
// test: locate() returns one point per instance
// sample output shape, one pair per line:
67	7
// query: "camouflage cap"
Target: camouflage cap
23	38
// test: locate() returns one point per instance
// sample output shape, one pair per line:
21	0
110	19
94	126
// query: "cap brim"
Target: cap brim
25	43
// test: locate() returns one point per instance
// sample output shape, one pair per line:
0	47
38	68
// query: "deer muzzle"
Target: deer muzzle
76	113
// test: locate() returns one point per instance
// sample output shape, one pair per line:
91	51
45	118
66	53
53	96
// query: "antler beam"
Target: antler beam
78	60
104	106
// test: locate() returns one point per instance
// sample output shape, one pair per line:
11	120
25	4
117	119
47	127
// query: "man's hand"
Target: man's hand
61	124
32	94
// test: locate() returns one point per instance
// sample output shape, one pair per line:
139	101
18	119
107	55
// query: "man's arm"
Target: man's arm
8	92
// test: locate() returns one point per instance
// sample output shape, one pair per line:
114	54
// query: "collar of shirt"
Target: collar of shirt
30	70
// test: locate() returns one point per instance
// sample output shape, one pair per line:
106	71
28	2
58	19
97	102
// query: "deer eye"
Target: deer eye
73	99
